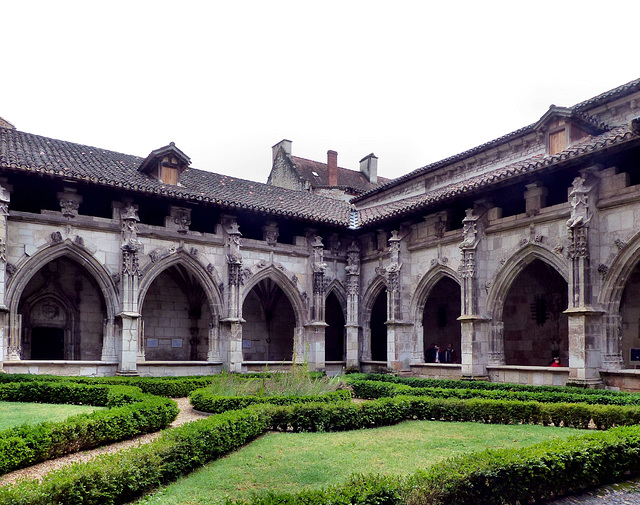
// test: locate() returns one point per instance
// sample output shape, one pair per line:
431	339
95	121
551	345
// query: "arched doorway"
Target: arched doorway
535	326
63	313
378	328
176	317
334	332
630	314
267	334
440	323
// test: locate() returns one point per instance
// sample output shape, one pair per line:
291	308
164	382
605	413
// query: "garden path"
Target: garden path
186	414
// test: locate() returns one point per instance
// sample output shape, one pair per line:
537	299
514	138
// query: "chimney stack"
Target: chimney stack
284	144
369	167
332	168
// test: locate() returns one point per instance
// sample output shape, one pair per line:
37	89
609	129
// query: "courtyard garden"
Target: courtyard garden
300	438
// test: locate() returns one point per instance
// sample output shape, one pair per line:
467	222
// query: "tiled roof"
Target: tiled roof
33	153
385	211
612	94
351	179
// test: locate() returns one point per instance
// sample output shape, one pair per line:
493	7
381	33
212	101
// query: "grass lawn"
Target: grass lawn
289	462
16	413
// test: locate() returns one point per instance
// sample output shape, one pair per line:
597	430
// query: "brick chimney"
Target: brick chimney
369	168
332	168
284	144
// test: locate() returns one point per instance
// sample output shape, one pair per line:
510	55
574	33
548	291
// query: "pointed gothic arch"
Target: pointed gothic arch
512	267
79	316
374	315
335	317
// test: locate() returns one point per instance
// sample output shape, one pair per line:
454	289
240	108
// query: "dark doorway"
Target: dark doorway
440	317
334	333
47	343
535	325
379	328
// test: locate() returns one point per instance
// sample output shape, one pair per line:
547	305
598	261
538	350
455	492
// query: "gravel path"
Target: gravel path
625	493
185	415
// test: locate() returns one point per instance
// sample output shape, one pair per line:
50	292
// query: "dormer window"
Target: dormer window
564	126
166	164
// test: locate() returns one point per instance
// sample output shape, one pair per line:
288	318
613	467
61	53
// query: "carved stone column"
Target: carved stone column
231	344
9	341
130	314
474	328
586	324
353	301
314	345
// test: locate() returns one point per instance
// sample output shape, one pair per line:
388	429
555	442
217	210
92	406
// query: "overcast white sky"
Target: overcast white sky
411	81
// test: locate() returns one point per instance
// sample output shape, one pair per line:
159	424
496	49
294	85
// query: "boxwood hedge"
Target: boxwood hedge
130	413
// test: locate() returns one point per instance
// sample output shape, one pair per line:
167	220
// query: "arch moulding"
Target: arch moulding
507	274
426	285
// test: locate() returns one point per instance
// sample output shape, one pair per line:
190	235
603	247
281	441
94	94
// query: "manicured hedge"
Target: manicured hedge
494	477
205	401
487	478
417	382
374	389
127	475
131	413
171	387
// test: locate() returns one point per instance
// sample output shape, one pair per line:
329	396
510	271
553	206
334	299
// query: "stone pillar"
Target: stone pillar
474	327
535	198
612	358
213	353
314	346
231	325
130	314
399	336
353	300
109	341
8	344
179	219
586	327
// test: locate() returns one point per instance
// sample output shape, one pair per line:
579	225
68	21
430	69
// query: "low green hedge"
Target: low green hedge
487	478
205	401
127	475
417	382
130	413
171	387
493	477
370	389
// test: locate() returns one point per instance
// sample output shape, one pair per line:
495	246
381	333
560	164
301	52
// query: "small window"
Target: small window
557	141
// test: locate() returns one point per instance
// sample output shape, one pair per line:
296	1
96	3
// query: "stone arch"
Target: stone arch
27	268
194	307
611	297
376	288
335	317
546	300
98	275
426	284
181	258
290	289
513	267
419	300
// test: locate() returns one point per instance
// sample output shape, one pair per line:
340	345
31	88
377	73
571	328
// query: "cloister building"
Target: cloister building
515	251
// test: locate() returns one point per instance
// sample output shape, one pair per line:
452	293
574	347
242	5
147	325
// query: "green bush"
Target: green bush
131	413
205	400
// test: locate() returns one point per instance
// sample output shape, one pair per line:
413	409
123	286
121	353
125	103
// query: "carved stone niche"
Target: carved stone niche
179	219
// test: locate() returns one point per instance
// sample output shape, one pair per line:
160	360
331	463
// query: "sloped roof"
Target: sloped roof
615	93
351	179
375	214
26	152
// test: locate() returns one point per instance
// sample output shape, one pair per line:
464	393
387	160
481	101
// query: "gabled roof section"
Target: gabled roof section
6	124
607	96
182	161
318	176
584	121
372	215
25	152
